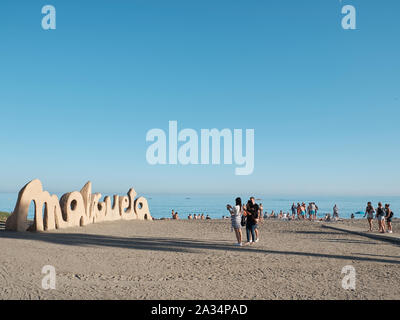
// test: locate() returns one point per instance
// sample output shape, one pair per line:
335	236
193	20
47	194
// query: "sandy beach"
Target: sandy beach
197	260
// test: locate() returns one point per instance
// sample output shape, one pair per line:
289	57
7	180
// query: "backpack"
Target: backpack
380	212
243	220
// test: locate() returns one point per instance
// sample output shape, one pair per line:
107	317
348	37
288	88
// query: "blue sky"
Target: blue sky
76	102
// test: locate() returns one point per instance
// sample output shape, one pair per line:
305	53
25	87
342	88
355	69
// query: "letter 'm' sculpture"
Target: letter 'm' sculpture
74	208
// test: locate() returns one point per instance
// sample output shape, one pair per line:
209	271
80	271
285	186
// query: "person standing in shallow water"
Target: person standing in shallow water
236	216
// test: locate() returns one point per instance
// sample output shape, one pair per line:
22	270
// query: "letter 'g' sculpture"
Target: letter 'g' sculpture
74	208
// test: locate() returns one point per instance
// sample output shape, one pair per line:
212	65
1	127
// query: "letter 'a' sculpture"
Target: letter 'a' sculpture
74	208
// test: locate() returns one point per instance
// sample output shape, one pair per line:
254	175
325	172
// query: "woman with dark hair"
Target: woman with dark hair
369	212
380	215
251	221
389	216
236	216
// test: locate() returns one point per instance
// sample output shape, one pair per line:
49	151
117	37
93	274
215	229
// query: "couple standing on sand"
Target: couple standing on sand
245	215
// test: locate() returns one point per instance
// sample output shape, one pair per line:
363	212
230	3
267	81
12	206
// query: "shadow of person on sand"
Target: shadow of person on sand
351	241
168	244
317	232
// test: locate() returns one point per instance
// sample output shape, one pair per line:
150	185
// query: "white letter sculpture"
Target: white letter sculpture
74	209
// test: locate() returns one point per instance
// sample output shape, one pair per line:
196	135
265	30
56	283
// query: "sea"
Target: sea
214	205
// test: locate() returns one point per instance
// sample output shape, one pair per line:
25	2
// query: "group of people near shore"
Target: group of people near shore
303	212
195	216
382	214
250	214
198	217
246	215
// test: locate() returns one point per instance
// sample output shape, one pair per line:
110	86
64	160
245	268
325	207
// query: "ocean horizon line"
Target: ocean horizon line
236	194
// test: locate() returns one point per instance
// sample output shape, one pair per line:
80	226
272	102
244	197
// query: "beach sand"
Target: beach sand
197	260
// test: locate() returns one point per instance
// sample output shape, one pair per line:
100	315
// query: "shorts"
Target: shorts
236	222
381	218
312	212
388	219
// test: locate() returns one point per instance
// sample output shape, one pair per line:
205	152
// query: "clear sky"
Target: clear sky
76	102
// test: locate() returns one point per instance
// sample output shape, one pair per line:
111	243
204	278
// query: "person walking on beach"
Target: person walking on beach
316	210
388	216
190	216
380	215
369	213
335	212
236	216
260	212
251	221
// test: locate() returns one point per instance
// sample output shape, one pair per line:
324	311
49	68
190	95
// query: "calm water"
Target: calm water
215	205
